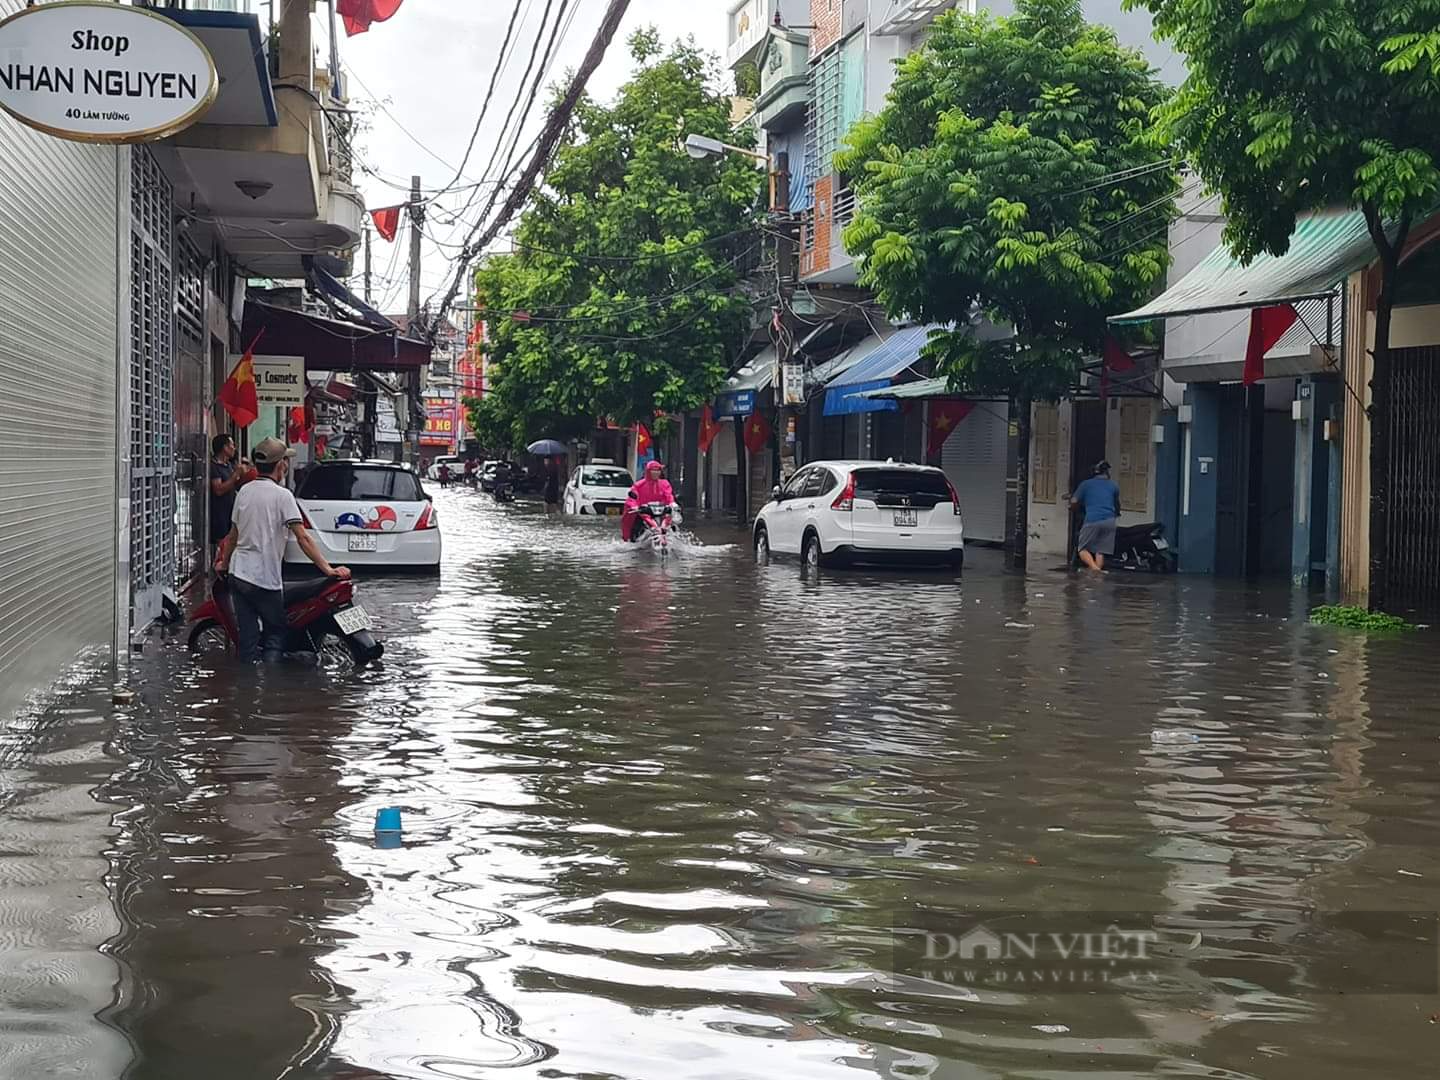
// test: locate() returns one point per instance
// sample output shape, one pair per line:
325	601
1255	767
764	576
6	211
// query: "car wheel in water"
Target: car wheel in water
762	547
208	638
810	555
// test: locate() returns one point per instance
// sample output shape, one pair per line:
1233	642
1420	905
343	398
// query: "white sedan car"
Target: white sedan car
863	511
598	489
368	515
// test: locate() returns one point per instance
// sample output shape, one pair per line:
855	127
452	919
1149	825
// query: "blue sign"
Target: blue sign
735	403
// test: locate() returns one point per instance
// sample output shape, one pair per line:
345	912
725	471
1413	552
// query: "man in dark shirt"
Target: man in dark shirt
225	478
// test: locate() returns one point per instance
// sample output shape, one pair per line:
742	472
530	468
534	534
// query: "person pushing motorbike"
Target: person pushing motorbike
652	489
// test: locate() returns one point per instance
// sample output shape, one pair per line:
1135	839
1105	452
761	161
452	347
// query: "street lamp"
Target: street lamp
702	146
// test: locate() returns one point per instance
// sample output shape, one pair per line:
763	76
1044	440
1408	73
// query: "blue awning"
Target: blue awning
875	371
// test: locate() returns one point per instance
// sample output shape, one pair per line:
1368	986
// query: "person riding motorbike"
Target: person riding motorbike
652	489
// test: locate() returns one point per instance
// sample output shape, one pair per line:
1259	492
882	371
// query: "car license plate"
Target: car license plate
352	620
1161	544
364	542
612	511
905	519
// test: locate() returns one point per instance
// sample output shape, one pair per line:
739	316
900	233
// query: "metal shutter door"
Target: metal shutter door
974	457
57	402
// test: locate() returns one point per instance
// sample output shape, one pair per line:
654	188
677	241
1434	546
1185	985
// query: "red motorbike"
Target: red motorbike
324	620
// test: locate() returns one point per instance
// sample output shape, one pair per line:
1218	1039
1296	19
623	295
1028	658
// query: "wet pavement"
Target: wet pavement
687	821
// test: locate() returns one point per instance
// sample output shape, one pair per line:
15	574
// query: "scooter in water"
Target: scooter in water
654	524
1142	547
503	491
324	620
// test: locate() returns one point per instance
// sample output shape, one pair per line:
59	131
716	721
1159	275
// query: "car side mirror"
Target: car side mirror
778	494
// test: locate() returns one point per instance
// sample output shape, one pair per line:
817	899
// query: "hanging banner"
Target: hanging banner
103	72
387	427
280	380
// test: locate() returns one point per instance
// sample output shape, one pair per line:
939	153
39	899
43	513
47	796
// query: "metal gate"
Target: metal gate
976	458
1412	541
190	393
152	451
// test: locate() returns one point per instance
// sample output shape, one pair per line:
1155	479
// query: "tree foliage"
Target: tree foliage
627	263
1012	171
1295	105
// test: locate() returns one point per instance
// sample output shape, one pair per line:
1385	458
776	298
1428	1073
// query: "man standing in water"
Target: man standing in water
1099	497
253	554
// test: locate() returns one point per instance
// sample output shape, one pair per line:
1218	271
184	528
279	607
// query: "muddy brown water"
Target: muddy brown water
680	821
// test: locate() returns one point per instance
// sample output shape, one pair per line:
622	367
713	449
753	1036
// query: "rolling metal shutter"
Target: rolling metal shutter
58	318
975	458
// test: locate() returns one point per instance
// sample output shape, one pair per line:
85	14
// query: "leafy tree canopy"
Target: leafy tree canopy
1294	105
627	262
1011	171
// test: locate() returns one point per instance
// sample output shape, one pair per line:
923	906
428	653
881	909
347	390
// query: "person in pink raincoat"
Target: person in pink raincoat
652	488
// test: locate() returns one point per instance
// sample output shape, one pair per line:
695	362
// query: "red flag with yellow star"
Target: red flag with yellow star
710	428
238	395
643	441
945	416
757	433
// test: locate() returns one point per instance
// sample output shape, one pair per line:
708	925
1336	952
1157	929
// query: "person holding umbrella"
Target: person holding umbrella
551	448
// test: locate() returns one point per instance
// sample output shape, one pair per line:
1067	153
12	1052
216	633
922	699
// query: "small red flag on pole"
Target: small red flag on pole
710	429
387	222
1267	327
359	14
757	433
238	396
643	441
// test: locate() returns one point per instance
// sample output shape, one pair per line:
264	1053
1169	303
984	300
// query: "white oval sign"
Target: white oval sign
103	72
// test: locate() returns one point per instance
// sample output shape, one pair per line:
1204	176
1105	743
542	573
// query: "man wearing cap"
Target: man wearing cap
1099	497
254	552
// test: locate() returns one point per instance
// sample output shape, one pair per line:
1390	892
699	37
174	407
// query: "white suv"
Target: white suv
599	489
863	511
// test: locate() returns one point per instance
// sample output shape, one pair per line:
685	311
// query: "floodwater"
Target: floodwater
676	822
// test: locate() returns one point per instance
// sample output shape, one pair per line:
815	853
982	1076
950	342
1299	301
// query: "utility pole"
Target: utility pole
412	380
368	298
790	386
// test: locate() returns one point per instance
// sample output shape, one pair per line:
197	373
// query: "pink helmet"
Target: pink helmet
654	468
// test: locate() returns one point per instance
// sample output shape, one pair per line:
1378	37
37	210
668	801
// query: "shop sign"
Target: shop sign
735	403
280	380
439	422
103	72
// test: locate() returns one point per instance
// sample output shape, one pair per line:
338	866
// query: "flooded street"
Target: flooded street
672	822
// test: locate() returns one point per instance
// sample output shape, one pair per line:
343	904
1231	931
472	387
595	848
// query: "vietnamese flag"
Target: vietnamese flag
1115	358
359	14
945	417
643	441
1267	327
710	428
387	222
238	395
757	433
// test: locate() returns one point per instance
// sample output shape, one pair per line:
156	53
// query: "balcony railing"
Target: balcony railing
844	207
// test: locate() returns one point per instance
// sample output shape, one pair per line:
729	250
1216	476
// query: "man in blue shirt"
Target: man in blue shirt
1099	497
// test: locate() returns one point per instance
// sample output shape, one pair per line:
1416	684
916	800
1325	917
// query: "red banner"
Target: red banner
439	423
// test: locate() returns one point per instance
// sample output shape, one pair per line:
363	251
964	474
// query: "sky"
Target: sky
430	66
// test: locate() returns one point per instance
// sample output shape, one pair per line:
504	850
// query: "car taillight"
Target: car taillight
305	519
846	499
428	519
954	497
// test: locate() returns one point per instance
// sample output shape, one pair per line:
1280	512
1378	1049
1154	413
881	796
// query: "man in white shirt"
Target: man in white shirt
253	554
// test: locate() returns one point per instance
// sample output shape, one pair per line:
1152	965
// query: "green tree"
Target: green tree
1297	105
627	262
1011	173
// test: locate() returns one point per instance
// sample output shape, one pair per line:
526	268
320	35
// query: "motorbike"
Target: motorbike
1142	547
503	491
654	524
324	620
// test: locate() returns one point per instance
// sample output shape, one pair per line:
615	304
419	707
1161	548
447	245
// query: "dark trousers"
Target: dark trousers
259	622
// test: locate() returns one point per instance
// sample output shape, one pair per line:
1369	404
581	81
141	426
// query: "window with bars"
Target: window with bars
1136	422
1045	459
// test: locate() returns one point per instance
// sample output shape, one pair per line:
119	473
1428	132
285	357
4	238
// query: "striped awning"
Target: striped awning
1325	249
876	371
912	391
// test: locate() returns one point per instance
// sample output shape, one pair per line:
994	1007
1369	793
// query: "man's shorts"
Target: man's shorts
1098	537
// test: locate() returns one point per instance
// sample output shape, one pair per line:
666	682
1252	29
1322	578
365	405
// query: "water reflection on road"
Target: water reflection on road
664	820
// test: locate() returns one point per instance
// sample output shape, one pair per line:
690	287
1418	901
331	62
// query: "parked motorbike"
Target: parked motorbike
324	620
1142	547
654	524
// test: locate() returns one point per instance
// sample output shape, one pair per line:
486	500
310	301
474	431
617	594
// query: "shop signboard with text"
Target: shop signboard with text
280	380
103	72
439	422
